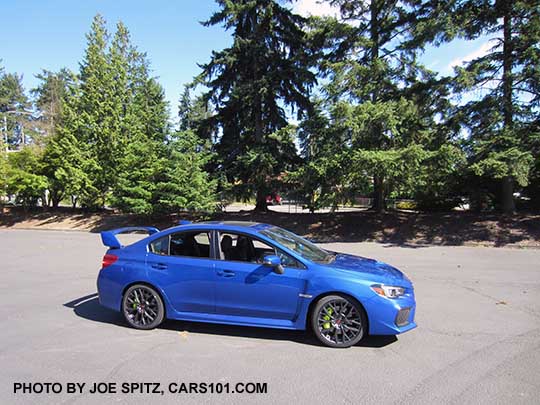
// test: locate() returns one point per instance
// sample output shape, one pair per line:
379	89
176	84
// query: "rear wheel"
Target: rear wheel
338	321
142	307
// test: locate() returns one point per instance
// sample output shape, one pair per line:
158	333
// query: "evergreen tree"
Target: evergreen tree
194	114
138	174
380	101
148	107
183	183
3	170
13	106
67	162
251	84
143	159
324	179
185	120
121	97
99	107
49	95
503	121
11	91
146	131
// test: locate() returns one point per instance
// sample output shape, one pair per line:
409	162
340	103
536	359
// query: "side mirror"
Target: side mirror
274	262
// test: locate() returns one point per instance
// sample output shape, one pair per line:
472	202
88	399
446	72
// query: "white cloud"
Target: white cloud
483	50
315	8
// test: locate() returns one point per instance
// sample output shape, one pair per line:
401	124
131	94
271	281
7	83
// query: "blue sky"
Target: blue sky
38	34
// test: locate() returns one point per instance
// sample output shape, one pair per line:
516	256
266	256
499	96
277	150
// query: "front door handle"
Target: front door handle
226	273
159	266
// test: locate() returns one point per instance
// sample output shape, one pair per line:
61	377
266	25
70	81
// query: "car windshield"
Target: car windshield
303	247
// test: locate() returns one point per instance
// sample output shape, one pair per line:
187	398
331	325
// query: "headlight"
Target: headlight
388	291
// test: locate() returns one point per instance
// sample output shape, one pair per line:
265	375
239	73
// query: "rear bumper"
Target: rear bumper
390	316
109	290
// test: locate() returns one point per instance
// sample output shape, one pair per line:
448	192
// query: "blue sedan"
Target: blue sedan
252	274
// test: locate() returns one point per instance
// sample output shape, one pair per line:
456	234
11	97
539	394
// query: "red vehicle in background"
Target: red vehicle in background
273	199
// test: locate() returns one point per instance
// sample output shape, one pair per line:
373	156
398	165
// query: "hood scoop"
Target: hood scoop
365	265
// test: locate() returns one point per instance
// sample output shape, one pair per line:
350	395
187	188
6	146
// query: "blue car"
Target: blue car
252	274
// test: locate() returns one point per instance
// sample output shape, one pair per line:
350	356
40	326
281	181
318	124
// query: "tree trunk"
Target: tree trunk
507	189
55	202
261	205
507	195
45	200
379	204
374	36
55	197
378	181
507	78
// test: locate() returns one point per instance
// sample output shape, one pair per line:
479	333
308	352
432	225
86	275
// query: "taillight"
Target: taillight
108	259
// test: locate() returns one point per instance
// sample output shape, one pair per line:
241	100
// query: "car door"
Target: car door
181	264
244	287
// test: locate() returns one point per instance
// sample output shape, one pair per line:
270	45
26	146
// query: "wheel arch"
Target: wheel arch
146	283
328	293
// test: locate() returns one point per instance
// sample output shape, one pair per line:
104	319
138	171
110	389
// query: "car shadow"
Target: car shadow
88	307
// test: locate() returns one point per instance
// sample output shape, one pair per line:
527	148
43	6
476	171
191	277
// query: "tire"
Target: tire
338	321
142	307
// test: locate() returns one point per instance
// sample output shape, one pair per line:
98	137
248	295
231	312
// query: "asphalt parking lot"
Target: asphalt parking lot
478	339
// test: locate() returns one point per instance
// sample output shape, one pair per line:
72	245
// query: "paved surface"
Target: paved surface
288	208
478	339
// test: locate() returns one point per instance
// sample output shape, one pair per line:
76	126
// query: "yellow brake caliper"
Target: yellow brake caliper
327	317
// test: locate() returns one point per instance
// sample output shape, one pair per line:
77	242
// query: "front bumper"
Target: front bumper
390	316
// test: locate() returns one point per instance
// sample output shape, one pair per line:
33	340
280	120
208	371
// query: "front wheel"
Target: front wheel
338	321
143	307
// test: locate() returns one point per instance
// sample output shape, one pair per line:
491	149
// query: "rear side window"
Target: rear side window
187	244
160	246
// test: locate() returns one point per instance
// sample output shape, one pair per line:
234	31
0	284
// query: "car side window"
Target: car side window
242	248
289	261
160	246
188	244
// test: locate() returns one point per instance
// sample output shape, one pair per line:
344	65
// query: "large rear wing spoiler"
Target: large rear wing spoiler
109	237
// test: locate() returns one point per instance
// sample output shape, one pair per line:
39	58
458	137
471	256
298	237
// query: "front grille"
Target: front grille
402	317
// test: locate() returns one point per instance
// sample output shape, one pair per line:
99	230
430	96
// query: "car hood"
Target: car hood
369	269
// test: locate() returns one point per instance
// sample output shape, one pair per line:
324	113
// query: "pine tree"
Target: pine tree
99	129
148	106
146	129
194	114
13	109
265	71
138	174
381	102
49	95
503	122
183	183
67	162
185	120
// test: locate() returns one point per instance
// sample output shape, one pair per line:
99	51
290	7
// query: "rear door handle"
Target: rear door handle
226	273
159	266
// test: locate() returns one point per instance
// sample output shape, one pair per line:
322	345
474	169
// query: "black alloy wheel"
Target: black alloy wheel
338	321
143	307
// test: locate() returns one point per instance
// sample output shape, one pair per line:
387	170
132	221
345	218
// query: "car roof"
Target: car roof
224	225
